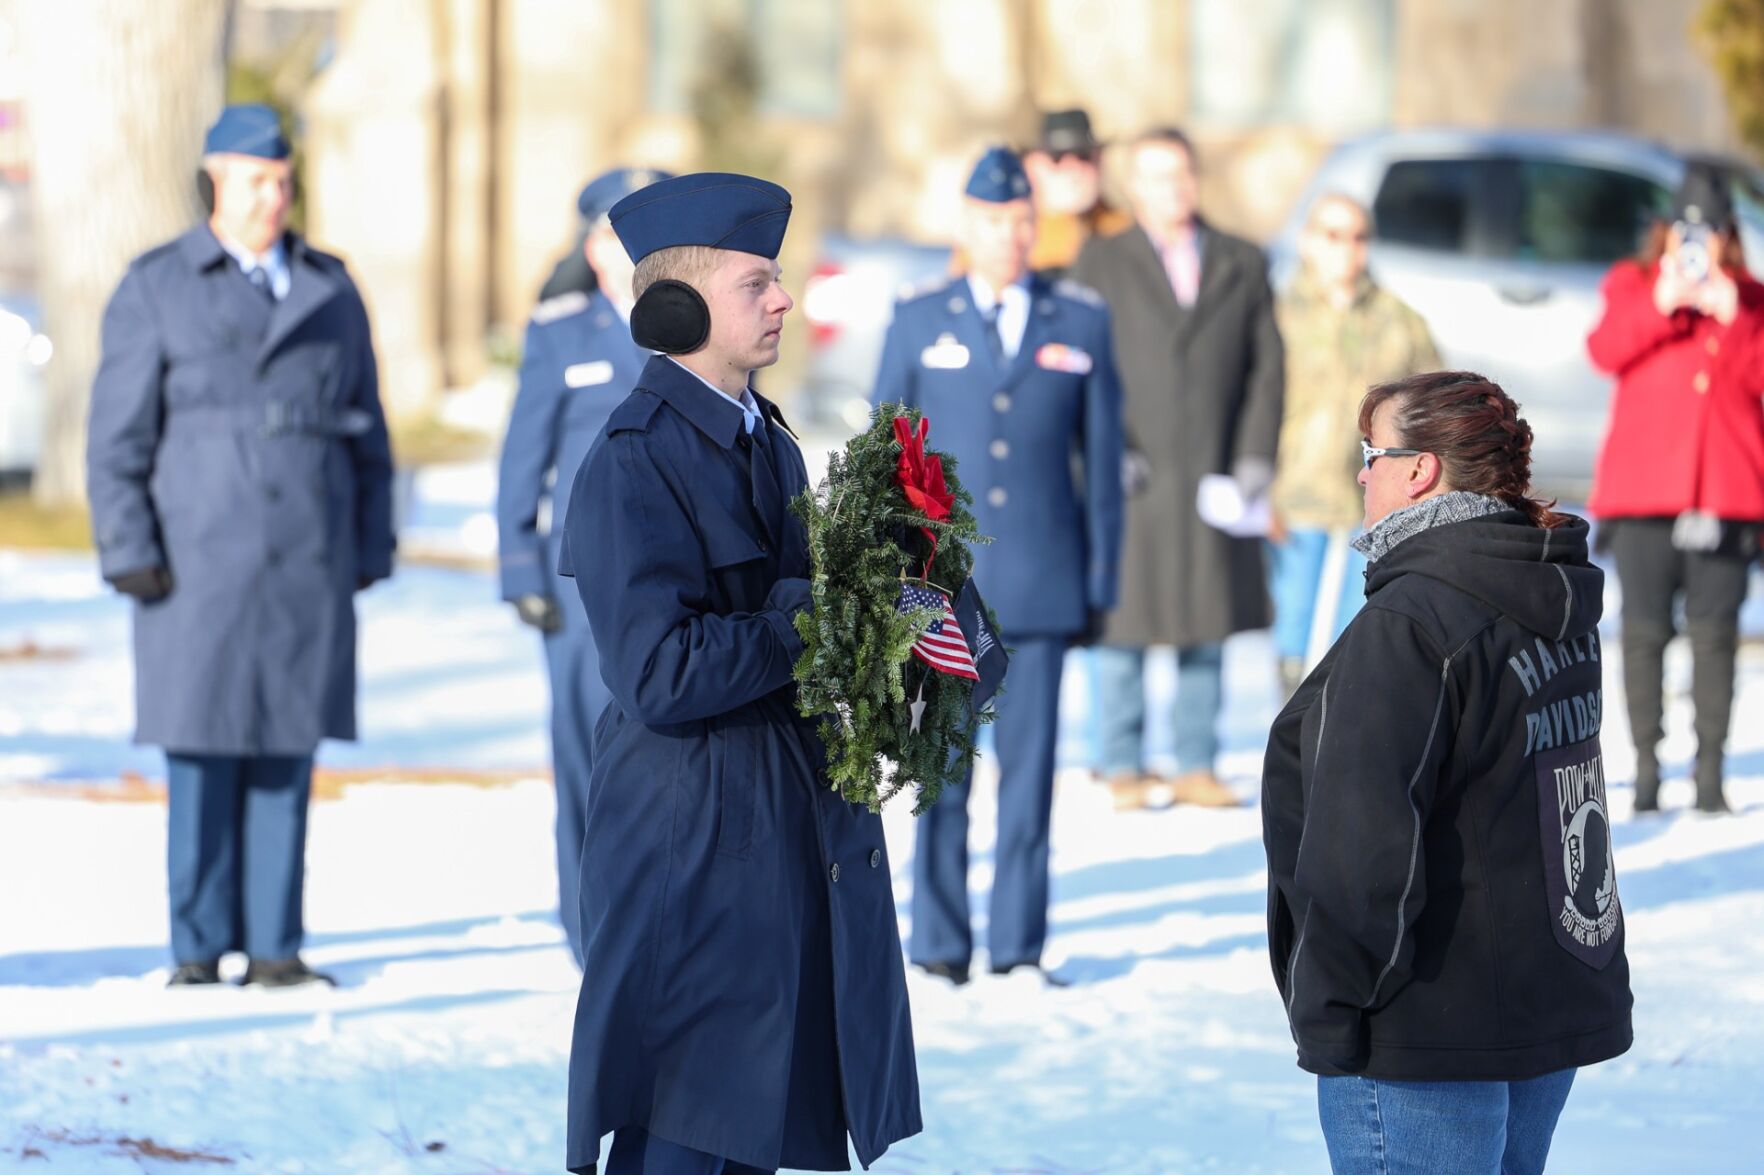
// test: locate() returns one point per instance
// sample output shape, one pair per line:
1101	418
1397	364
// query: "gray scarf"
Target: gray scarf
1454	506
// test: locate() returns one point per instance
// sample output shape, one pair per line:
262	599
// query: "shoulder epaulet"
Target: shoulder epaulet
154	254
634	412
561	306
1078	292
913	291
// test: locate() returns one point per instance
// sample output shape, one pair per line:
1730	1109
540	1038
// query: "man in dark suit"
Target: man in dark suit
578	364
1202	374
1015	374
241	488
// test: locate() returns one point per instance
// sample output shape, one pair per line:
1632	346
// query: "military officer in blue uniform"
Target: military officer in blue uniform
579	363
1015	373
743	1002
240	482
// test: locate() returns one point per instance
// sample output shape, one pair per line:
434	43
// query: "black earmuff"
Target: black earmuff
205	190
670	317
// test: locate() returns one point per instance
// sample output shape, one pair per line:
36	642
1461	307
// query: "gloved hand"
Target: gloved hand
1092	631
146	585
1136	473
541	612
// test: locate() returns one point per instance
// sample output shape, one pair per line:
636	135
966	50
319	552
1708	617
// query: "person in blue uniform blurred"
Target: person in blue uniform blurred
1016	375
743	1002
241	487
579	362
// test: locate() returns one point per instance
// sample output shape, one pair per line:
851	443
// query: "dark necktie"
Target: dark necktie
768	498
994	340
259	278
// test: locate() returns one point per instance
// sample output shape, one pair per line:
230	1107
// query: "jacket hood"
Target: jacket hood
1539	578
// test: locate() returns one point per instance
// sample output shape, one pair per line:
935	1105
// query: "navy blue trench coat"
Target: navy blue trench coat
241	446
744	992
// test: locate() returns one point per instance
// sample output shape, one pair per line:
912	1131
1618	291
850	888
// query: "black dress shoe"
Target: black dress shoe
283	973
195	974
956	973
1047	977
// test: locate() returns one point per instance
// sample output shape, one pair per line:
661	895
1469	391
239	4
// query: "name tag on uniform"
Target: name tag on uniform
588	375
1060	357
945	354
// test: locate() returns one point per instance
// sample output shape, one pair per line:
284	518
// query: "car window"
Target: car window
1572	213
1426	204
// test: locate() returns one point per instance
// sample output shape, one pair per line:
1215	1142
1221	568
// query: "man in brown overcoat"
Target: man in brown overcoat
1202	374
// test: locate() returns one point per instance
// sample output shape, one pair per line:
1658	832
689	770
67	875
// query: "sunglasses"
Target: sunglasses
1339	236
1368	454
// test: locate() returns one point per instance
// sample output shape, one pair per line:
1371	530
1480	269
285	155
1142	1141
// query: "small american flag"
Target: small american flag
942	646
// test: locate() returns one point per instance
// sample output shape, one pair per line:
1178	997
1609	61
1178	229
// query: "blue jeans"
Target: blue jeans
1375	1127
1120	704
1298	585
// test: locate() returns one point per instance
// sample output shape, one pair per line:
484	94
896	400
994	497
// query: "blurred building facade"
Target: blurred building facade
445	139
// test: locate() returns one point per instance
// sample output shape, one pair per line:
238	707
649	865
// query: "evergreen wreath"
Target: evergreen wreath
857	671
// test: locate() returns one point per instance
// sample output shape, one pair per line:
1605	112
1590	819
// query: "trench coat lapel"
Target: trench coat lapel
1149	269
309	288
1219	272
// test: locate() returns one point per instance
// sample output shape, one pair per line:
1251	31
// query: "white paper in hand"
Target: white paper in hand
1222	506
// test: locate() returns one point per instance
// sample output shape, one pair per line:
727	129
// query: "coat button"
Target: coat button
1712	346
834	872
996	496
875	858
1001	402
273	492
1000	450
273	558
1701	382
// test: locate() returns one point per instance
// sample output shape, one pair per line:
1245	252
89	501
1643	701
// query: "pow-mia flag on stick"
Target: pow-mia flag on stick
990	658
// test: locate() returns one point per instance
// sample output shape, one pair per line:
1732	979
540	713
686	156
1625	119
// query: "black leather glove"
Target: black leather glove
541	612
1092	631
146	585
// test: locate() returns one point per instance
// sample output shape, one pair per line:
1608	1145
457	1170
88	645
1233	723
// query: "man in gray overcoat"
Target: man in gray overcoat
1201	374
240	481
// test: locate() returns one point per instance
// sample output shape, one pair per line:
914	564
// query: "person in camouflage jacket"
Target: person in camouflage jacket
1344	334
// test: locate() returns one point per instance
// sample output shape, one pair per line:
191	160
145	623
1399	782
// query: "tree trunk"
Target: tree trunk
117	93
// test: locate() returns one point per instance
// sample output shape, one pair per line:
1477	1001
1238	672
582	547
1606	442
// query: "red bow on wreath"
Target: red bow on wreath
920	478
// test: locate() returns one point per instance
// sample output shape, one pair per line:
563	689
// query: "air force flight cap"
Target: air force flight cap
718	209
999	177
608	188
248	129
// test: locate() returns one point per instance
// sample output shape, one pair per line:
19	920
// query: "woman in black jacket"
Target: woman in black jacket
1443	918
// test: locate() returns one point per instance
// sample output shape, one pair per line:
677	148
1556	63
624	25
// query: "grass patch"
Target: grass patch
26	524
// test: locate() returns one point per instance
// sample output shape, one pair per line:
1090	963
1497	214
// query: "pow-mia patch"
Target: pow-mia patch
1579	865
1060	357
588	375
945	354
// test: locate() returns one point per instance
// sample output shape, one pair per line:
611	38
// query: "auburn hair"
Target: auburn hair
1473	427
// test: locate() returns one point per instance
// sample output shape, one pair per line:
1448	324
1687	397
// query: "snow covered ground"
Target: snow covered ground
444	1050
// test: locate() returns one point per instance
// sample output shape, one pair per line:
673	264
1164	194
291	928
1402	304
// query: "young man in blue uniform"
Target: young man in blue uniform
579	363
1016	375
743	1002
241	489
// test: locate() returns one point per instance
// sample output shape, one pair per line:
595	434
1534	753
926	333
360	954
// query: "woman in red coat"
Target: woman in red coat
1680	480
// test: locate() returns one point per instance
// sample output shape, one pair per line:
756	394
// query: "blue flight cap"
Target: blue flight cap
999	177
608	188
249	129
713	208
